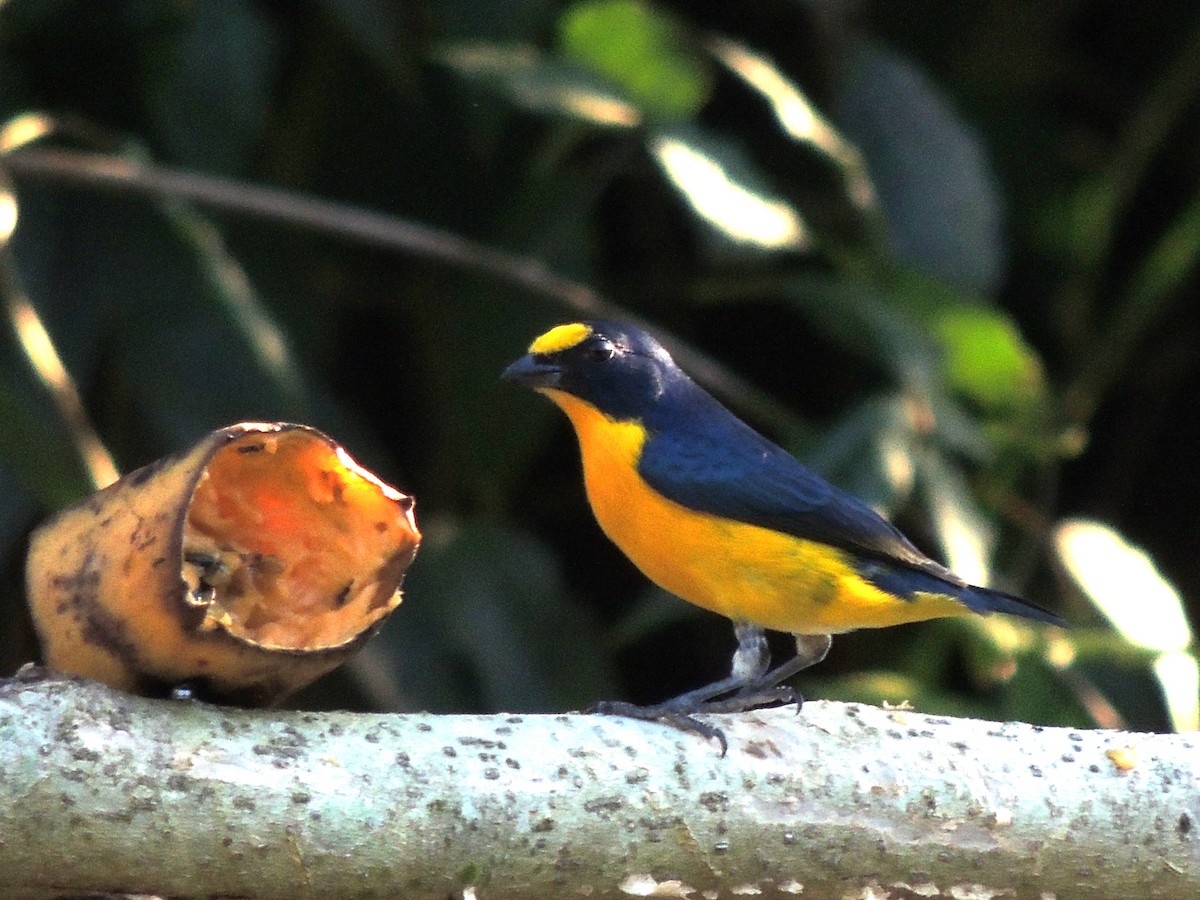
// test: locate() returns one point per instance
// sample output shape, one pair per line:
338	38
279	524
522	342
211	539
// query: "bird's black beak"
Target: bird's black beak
532	372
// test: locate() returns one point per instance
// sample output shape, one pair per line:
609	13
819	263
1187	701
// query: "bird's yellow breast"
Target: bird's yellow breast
742	571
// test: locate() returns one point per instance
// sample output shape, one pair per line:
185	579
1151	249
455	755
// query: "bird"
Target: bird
718	515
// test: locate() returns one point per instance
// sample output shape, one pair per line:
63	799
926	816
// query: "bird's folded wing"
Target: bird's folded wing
727	469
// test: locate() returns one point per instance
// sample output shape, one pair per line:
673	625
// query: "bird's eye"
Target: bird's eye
600	351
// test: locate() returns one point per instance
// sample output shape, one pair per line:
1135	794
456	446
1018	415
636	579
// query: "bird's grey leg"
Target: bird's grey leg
752	657
750	682
810	650
751	660
768	687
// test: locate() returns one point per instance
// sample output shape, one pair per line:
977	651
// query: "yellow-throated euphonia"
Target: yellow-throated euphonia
715	513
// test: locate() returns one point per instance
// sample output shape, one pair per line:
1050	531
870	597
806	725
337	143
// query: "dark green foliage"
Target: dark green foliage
958	288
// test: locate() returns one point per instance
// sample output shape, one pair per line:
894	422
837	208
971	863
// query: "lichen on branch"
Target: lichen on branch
103	791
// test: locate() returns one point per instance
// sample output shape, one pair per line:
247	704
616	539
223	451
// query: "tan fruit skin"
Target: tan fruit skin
108	601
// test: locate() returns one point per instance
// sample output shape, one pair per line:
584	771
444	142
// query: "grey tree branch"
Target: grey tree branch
104	792
126	176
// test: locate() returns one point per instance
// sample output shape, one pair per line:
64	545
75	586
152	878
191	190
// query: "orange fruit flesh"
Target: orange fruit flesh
289	544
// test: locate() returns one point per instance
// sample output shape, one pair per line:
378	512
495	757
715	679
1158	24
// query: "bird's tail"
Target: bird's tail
986	600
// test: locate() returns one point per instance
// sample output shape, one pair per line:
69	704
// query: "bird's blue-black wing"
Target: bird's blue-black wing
714	463
703	457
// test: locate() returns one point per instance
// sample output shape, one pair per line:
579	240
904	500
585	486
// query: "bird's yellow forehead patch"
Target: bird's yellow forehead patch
561	337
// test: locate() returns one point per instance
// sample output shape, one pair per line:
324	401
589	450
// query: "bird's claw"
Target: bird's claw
668	713
682	715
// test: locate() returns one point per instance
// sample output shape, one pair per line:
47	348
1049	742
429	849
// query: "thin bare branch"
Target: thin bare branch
123	175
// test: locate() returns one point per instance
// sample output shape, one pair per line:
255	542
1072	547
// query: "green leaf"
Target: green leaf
943	209
35	445
984	356
890	328
640	48
987	359
868	452
862	318
209	91
487	622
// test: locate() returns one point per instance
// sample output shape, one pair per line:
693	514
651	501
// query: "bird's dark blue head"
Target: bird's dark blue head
617	368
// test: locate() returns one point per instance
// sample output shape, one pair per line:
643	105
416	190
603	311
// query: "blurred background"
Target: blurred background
946	253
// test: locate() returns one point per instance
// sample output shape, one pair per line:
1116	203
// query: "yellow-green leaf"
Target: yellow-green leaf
642	50
986	358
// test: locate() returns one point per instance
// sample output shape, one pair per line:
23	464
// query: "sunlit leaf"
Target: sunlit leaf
1099	644
723	188
640	48
798	117
1124	584
944	212
965	534
541	83
1179	675
20	131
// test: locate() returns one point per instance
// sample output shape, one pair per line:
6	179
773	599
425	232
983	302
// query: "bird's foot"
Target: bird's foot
750	685
680	712
665	713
